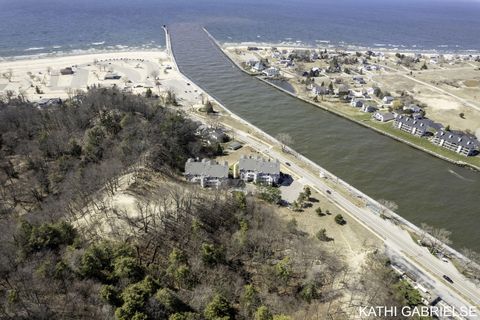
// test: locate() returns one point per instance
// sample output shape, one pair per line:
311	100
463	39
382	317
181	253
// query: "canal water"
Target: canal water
425	188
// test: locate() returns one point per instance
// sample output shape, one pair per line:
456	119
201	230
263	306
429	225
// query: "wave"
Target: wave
97	43
458	175
75	52
34	49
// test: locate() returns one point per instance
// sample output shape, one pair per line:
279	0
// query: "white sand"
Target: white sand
138	70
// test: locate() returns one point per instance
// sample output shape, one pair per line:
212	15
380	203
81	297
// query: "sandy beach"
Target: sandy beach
133	71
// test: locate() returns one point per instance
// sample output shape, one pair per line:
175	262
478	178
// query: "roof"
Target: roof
235	145
458	139
421	124
386	115
259	164
207	168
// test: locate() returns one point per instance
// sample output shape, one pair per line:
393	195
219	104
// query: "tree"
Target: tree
263	313
219	309
283	269
440	237
387	205
307	191
249	299
309	292
270	194
322	235
8	75
397	105
212	255
148	93
135	297
285	139
330	87
407	294
340	220
169	301
319	212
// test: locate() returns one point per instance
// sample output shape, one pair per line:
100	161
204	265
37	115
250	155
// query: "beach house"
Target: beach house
258	170
271	72
457	142
208	173
387	100
383	116
417	127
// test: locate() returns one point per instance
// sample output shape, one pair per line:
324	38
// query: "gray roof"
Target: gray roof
259	164
419	124
463	140
206	168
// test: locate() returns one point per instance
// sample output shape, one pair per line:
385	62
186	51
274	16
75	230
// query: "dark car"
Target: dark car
288	164
447	278
329	192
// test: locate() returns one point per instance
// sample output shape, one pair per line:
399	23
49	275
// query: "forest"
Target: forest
189	254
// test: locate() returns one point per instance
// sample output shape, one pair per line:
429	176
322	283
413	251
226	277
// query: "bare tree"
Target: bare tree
8	75
386	206
439	238
285	139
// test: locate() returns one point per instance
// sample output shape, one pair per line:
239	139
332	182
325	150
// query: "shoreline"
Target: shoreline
314	165
349	47
319	105
78	52
56	51
339	186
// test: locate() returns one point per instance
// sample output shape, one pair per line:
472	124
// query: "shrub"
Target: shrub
263	313
270	194
47	236
212	255
339	220
322	235
219	308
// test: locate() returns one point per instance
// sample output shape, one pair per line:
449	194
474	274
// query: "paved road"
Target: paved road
461	293
399	244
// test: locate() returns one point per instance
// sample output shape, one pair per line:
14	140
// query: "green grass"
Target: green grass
424	143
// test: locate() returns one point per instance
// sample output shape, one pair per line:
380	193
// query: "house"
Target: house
388	100
235	145
112	76
457	142
66	71
417	127
259	170
383	116
343	90
209	173
413	108
356	103
271	72
319	90
368	108
359	80
259	66
371	91
47	102
252	62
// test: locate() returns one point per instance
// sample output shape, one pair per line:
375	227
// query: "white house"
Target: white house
258	170
383	116
209	173
271	72
388	100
